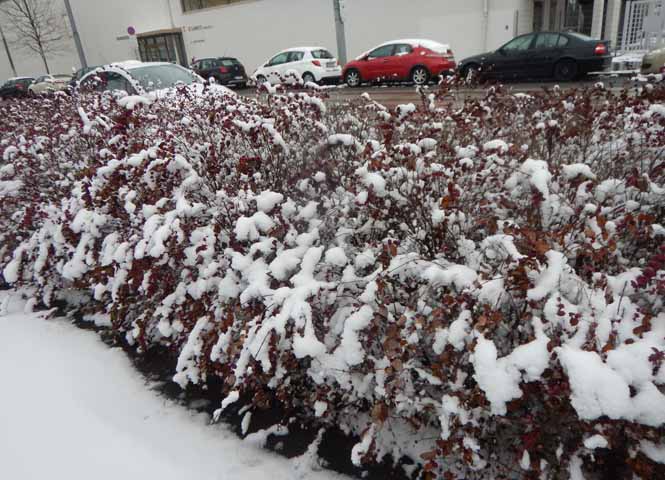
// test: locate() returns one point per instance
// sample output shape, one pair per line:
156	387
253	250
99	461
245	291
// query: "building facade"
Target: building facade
253	30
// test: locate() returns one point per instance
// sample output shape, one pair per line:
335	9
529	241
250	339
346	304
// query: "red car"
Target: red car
417	61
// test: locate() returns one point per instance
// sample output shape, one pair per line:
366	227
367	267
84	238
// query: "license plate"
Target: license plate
331	64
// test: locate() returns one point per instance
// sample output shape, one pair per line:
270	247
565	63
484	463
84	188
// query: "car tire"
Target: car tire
308	77
470	72
420	75
352	78
565	70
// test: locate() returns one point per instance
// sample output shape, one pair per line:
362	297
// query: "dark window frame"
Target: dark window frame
195	5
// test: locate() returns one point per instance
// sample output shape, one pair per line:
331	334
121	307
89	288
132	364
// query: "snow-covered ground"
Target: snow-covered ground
72	408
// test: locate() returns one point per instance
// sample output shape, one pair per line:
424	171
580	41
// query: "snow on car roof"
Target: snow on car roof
303	48
131	64
423	42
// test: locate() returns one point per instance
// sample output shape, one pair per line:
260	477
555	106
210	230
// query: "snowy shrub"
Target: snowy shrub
479	288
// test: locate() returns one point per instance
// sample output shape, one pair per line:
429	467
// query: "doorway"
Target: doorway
163	47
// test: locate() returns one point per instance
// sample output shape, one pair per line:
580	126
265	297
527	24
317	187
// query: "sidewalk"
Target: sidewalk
71	408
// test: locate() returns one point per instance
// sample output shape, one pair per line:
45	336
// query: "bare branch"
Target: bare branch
36	27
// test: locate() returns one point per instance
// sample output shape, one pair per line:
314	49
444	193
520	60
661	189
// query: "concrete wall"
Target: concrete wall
255	29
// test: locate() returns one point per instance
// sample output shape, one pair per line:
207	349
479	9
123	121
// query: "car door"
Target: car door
399	65
544	54
378	63
273	69
511	60
296	63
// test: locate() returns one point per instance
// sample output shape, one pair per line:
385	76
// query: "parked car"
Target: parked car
78	75
15	87
225	70
136	77
311	64
654	62
49	84
414	60
563	56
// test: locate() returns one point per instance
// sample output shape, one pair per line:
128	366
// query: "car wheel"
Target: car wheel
352	78
308	77
565	70
470	72
419	76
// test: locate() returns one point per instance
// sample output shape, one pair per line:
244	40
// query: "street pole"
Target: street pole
75	34
9	54
339	31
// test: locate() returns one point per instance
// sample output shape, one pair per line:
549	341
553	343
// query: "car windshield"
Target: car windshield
228	62
155	77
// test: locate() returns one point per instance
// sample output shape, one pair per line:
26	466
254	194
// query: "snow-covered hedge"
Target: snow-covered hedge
479	288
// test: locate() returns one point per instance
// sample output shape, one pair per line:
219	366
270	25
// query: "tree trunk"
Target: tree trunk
45	63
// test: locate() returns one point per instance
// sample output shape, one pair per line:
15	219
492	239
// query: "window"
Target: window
296	56
279	59
403	49
207	64
547	40
189	5
226	62
563	41
322	54
385	51
518	44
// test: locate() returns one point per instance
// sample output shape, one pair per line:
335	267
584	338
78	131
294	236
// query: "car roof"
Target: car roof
215	58
13	79
132	64
296	49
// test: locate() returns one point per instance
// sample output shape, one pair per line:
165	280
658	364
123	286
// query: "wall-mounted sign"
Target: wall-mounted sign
131	30
122	37
196	28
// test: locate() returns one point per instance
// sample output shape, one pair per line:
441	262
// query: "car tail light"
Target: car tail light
316	62
601	49
20	86
662	70
223	70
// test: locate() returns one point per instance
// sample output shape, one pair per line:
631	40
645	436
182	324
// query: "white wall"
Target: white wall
255	29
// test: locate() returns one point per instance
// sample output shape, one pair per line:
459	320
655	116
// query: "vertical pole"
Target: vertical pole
340	32
75	34
597	19
9	54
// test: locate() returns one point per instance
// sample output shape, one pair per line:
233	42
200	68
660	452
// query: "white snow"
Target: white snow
74	408
596	441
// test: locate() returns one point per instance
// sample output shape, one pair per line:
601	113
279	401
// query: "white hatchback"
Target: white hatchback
309	64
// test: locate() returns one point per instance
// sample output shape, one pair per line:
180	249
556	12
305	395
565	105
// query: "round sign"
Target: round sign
131	30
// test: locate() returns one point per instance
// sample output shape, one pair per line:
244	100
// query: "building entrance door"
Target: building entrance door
163	47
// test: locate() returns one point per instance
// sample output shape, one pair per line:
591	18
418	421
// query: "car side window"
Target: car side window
546	40
562	42
403	49
519	44
296	56
279	59
385	51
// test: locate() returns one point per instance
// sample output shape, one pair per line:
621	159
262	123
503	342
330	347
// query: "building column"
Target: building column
597	19
612	22
547	26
